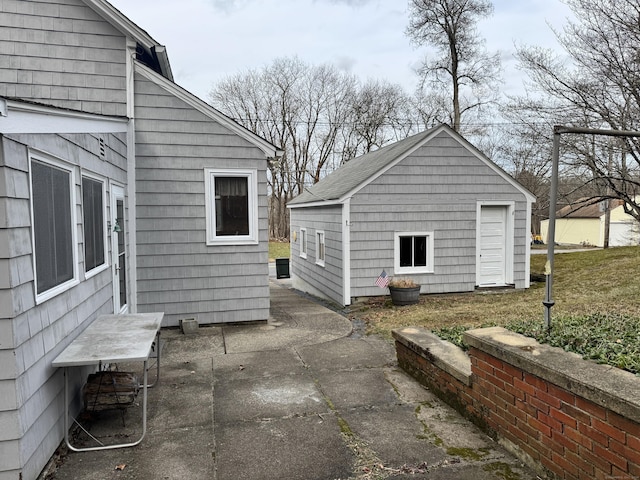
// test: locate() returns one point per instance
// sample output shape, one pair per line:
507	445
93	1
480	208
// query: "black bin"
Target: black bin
282	268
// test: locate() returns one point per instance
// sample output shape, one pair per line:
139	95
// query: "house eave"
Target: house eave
128	28
18	116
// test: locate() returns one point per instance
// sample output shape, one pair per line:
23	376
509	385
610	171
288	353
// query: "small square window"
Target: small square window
413	252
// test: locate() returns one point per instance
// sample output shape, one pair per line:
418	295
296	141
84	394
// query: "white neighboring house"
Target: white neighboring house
583	223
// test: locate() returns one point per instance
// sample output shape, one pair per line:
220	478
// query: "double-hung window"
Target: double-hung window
93	223
231	206
53	227
303	242
320	248
413	252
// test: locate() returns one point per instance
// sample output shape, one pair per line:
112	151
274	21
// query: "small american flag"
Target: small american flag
383	280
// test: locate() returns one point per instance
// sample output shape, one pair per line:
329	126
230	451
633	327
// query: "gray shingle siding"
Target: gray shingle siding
61	55
32	335
328	279
177	272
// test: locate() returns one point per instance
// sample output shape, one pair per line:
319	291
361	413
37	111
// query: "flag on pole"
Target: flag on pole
383	280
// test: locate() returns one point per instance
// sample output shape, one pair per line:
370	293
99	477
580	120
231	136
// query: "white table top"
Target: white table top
112	338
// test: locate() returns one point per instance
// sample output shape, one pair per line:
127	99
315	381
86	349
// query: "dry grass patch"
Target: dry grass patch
585	283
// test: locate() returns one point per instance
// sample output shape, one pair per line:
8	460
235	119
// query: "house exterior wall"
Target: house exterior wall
436	189
325	281
60	52
177	272
32	335
574	231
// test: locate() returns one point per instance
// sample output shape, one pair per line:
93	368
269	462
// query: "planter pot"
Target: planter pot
405	296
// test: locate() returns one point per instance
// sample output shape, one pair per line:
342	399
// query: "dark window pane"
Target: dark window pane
232	206
406	248
52	225
419	251
92	204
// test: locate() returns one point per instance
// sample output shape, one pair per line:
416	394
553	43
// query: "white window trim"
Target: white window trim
95	271
397	269
252	184
303	243
63	287
320	240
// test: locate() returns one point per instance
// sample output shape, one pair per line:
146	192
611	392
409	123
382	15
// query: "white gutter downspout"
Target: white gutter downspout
527	256
131	178
346	251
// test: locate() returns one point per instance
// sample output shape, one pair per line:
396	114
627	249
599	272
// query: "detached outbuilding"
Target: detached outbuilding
431	208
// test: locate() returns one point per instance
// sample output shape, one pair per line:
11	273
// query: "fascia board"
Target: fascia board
320	203
128	28
19	117
206	109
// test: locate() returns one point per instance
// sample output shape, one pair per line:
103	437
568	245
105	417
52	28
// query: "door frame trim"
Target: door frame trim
114	197
509	232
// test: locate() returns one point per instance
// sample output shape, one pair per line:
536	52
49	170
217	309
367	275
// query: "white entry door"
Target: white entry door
118	250
492	257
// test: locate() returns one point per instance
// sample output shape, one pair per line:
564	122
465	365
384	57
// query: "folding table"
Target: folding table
112	339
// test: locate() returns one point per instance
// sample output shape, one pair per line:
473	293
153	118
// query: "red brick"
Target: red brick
519	394
596	460
633	442
548	399
519	434
580	415
517	411
536	382
525	387
507	397
515	372
495	362
631	455
482	366
611	457
551	422
578	438
624	423
617	474
528	430
593	434
538	404
538	425
609	430
591	408
567	467
563	418
586	470
565	441
565	396
552	466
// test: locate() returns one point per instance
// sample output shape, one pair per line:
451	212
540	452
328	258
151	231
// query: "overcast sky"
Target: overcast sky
208	40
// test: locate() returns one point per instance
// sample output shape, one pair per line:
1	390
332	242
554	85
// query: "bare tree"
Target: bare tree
461	70
598	87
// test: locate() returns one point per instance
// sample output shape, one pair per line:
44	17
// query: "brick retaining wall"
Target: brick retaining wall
564	416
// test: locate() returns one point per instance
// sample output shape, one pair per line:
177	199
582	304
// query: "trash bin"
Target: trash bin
282	268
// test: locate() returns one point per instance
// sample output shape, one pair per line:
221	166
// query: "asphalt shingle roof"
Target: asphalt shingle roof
356	171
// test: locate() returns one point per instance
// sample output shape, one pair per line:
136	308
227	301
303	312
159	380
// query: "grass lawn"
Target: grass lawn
278	250
598	290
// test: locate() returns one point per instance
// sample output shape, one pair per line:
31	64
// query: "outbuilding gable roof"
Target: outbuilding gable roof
360	171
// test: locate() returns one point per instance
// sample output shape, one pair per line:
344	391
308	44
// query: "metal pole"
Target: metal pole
551	234
553	200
